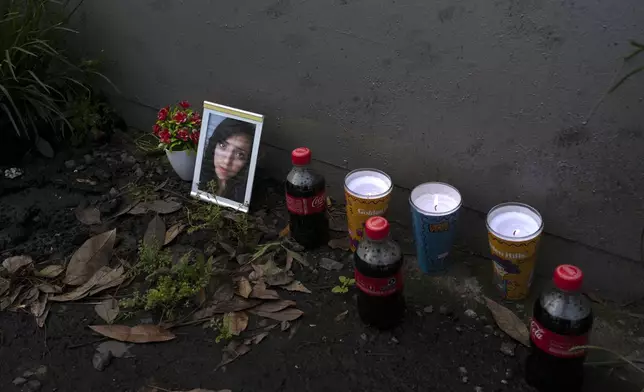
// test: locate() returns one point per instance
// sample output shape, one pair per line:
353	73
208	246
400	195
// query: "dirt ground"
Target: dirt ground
437	348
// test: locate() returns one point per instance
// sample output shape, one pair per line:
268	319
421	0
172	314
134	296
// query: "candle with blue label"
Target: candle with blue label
435	208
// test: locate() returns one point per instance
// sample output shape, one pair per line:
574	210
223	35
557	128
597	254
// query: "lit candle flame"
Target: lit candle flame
435	202
516	232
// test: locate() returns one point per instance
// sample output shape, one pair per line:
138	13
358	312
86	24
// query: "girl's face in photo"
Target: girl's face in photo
231	155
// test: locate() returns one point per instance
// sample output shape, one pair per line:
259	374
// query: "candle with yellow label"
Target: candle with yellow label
367	192
514	231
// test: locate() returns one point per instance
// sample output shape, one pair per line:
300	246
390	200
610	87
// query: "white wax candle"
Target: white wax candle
435	198
515	222
368	183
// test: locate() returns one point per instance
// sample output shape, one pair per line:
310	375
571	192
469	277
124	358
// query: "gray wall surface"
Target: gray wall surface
503	99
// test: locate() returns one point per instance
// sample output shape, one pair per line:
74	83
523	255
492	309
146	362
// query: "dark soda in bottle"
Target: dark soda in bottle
306	201
562	318
378	275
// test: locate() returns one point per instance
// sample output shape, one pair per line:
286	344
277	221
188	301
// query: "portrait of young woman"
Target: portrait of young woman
227	155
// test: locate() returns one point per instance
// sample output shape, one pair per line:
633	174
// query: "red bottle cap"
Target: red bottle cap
301	156
568	277
376	228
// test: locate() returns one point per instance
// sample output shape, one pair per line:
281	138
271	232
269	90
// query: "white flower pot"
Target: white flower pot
183	163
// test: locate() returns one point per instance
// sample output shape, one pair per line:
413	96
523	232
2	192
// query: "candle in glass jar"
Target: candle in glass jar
435	198
515	222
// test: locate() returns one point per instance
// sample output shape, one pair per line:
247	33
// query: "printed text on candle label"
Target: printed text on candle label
370	212
508	255
439	227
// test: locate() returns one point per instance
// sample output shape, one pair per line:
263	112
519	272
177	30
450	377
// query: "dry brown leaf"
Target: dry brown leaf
595	298
298	257
38	307
231	352
136	208
88	216
155	233
49	288
235	322
341	316
274	306
223	293
243	258
340	243
163	206
285	231
26	298
257	339
108	310
89	258
50	271
8	300
4	286
233	305
509	322
113	278
244	288
104	278
40	320
146	333
296	285
266	269
260	291
13	264
279	279
173	232
284	325
289	314
289	262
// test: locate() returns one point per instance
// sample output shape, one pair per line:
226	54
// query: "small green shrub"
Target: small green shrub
345	283
171	285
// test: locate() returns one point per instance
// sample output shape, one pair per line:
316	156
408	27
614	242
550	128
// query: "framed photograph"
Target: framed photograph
227	156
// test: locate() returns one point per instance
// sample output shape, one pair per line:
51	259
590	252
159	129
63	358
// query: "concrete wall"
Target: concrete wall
499	98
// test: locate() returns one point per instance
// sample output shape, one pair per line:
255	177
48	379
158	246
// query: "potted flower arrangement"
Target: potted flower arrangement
177	129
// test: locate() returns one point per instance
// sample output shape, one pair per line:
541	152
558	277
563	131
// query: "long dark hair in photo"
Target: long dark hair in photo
235	186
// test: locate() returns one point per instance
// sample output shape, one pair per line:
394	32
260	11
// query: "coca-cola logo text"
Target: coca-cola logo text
536	331
318	202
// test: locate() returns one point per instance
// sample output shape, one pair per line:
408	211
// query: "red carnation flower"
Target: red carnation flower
156	129
183	134
195	119
164	136
163	114
184	104
195	137
180	117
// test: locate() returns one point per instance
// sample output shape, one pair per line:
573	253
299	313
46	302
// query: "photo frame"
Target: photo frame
227	156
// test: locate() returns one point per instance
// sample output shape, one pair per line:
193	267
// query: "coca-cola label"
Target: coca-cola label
379	287
555	344
306	205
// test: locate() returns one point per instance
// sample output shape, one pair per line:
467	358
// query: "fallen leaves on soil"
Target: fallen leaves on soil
298	257
330	264
118	349
244	288
231	352
235	322
15	263
173	232
341	316
509	322
274	306
89	258
51	271
340	243
146	333
103	279
154	236
108	310
283	315
235	304
260	291
163	206
296	285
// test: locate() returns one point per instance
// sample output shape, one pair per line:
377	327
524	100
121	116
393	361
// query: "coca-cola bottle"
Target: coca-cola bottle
378	274
306	201
562	318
